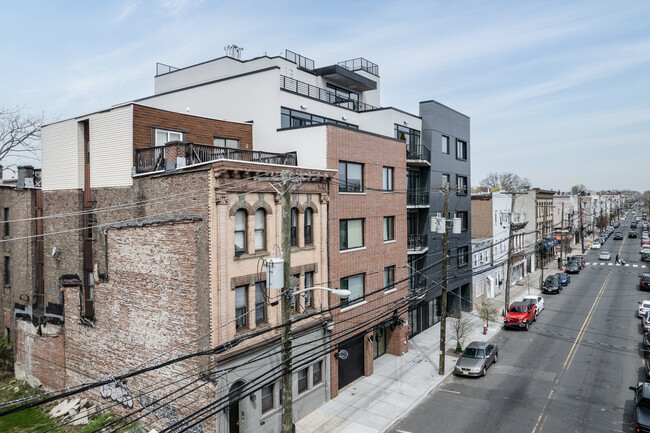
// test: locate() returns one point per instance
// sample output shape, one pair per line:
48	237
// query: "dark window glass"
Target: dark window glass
463	256
294	227
350	234
464	221
355	284
240	232
389	277
6	222
308	222
389	228
267	398
350	177
387	179
7	273
260	302
461	184
240	306
317	373
302	380
309	282
293	119
461	149
445	144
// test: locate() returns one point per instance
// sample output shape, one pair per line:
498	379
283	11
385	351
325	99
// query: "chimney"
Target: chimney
25	177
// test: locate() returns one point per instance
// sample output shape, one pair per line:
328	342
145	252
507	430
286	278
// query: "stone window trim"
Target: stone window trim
250	208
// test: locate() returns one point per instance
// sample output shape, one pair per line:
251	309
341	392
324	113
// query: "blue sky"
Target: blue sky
557	91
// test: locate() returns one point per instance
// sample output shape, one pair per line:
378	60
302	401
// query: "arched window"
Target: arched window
240	232
260	233
308	218
294	227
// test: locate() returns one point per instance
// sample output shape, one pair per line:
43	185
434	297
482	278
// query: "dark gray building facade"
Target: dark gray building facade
444	157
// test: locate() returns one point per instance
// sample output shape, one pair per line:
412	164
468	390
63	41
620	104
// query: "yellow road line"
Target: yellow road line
569	359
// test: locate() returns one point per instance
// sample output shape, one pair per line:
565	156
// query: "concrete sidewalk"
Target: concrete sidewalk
375	403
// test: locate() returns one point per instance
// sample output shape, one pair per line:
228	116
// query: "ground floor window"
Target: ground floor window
379	342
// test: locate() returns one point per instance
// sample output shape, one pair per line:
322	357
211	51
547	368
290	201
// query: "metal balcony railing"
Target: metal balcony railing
418	152
152	159
417	242
305	89
360	64
417	198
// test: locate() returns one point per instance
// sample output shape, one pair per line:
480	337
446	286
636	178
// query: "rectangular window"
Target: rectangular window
240	232
7	271
445	144
317	373
240	306
387	181
294	119
302	380
350	177
260	302
464	221
226	142
463	256
350	234
6	222
408	135
164	136
389	228
295	285
309	282
389	277
446	179
355	284
267	397
461	150
461	184
294	227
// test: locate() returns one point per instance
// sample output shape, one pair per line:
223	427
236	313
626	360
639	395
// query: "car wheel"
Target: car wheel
484	371
527	325
496	357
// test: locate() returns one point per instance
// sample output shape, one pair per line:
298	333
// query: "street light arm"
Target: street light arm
343	294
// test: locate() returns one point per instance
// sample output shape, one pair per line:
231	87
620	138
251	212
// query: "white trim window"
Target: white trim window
164	136
350	234
226	142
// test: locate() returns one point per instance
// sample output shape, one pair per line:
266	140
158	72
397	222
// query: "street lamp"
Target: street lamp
343	294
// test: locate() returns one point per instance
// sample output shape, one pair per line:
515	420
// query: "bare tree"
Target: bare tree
505	181
487	312
19	135
461	326
576	189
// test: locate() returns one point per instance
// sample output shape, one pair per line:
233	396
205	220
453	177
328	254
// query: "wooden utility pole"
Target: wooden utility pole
443	318
582	226
287	385
541	256
513	196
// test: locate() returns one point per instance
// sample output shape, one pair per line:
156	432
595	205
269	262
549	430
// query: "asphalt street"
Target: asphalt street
569	373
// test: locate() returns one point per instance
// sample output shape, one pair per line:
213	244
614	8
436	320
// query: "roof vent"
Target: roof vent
233	51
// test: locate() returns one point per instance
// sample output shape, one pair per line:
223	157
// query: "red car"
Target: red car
520	315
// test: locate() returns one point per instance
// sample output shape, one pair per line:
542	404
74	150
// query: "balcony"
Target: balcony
417	199
417	244
418	155
155	159
360	64
329	97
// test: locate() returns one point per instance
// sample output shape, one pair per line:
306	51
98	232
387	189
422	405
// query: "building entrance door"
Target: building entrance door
350	368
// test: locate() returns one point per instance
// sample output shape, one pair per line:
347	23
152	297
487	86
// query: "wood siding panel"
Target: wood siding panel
111	148
61	156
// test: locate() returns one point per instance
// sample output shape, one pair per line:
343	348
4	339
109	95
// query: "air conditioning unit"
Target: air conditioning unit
275	273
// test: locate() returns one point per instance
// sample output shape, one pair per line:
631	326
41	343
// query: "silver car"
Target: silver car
476	359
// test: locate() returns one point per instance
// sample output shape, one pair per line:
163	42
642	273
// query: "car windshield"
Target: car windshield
472	352
517	309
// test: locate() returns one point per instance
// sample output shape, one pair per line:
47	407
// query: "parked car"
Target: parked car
645	321
618	236
641	407
615	224
643	307
572	267
632	234
580	259
644	283
520	315
646	364
596	245
564	278
646	344
476	359
551	285
645	256
539	302
604	255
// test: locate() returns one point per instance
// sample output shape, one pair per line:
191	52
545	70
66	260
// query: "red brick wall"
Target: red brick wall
374	152
41	356
147	307
199	129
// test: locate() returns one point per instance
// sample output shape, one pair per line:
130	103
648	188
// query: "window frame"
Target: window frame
242	231
241	321
314	380
227	142
389	278
445	144
7	271
463	256
304	380
461	150
309	282
387	179
265	398
6	222
294	226
260	230
464	220
308	220
261	302
389	228
344	241
168	132
345	285
446	176
344	178
461	189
